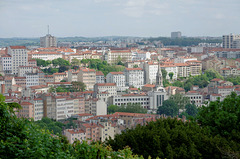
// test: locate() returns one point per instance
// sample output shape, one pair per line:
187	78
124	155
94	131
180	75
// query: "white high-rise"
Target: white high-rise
230	41
19	57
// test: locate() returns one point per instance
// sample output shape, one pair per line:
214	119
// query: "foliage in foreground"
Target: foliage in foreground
21	138
171	138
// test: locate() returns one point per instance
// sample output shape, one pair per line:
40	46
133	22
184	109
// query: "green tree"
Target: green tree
63	68
180	100
169	108
191	109
112	109
171	75
78	86
135	66
172	138
164	73
222	117
75	62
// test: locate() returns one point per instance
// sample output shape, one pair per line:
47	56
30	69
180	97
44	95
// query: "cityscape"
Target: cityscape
174	95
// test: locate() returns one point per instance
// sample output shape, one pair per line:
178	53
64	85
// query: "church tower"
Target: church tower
159	78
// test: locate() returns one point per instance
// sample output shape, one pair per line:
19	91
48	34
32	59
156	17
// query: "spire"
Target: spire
159	78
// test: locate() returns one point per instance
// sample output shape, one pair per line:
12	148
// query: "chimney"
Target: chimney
3	88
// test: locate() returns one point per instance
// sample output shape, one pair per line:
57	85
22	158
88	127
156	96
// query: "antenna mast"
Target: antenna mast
48	29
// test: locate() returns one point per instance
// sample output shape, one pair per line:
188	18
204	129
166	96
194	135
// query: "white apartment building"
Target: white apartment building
118	78
223	90
134	77
141	99
184	59
19	57
64	108
228	40
78	56
6	63
38	109
150	71
195	98
111	88
32	79
100	77
45	55
170	68
183	69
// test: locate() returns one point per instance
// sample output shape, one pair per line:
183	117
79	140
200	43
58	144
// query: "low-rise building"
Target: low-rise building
75	134
100	77
195	98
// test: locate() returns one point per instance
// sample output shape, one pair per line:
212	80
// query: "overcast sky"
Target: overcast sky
92	18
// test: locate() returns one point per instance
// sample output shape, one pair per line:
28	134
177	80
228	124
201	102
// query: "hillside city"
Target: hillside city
107	86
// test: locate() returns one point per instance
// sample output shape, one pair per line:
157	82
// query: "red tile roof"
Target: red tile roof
149	85
26	103
116	73
215	80
17	47
106	84
133	69
99	73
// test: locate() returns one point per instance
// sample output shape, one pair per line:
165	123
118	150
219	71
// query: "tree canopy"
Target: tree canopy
169	108
172	138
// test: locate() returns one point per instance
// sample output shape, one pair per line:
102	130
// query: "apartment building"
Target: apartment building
48	78
79	105
74	134
113	56
108	130
6	63
21	81
150	72
57	77
134	77
64	107
195	98
87	76
111	88
92	131
100	77
27	110
141	99
32	79
72	75
45	55
38	108
223	90
183	59
183	69
228	40
19	57
195	67
170	68
48	41
118	78
95	106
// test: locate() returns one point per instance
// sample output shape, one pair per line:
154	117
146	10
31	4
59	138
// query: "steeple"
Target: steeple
159	78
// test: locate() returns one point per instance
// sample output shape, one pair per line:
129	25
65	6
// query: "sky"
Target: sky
142	18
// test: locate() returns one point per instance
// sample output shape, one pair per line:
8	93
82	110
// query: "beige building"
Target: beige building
45	55
87	76
111	88
113	56
57	77
95	106
79	105
74	134
27	110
